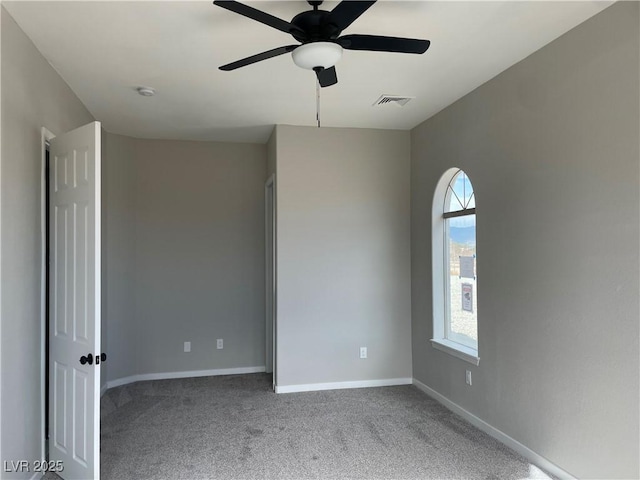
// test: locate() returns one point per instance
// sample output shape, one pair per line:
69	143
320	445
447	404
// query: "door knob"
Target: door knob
101	358
88	359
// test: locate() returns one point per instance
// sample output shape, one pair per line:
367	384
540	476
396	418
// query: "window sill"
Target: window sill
460	351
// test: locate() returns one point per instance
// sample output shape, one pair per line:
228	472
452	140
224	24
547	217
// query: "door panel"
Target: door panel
75	302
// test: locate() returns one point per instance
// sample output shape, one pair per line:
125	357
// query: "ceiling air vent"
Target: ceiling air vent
392	99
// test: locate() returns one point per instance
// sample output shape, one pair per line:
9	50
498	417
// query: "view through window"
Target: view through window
461	292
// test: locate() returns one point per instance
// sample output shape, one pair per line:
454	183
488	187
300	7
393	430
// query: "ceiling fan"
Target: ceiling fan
318	32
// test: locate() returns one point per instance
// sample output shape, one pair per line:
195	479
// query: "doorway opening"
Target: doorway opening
46	137
270	280
47	299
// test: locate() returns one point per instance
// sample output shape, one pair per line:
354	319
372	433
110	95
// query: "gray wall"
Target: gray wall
33	96
119	253
185	243
552	147
343	254
199	255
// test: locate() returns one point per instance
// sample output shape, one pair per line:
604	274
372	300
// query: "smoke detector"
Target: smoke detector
146	91
398	100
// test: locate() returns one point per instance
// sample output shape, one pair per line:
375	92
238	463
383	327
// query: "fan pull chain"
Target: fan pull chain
318	102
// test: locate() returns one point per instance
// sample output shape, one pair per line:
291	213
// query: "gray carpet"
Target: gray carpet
234	427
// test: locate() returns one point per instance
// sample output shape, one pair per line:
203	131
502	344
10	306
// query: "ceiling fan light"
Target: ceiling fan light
317	54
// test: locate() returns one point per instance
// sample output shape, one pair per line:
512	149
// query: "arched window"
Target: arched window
455	281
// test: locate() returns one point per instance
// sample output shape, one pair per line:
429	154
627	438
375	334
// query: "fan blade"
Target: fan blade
327	76
258	16
378	43
259	57
347	12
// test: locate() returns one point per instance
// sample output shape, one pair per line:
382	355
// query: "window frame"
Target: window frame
440	270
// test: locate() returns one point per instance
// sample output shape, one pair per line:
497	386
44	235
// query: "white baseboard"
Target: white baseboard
103	389
313	387
526	452
189	374
37	475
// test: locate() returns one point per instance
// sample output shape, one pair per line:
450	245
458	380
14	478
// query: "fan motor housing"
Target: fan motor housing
316	25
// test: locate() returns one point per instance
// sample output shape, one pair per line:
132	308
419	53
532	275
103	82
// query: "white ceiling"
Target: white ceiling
104	50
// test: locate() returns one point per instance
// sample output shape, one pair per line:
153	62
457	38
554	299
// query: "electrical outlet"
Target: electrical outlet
363	352
220	344
468	377
187	347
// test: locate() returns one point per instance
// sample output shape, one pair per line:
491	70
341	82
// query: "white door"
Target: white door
74	334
